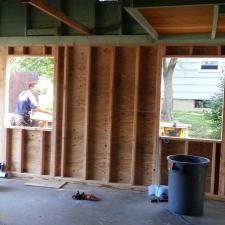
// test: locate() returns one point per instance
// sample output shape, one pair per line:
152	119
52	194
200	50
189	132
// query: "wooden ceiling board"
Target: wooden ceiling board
180	20
221	24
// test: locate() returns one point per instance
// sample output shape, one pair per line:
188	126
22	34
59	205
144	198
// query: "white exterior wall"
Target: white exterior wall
189	82
186	105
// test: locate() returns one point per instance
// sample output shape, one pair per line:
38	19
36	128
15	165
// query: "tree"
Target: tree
168	69
43	65
215	114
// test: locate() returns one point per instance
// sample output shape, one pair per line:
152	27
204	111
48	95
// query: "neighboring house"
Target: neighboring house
195	81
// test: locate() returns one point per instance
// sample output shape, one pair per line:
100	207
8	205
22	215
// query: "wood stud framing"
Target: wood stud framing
136	125
110	116
213	163
87	114
55	112
22	149
64	113
137	15
156	147
8	141
170	146
135	121
42	151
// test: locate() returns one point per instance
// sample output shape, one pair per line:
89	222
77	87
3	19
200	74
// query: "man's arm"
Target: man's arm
35	107
38	109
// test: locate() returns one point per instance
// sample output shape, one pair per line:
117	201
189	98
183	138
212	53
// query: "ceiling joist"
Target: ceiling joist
215	21
58	15
135	13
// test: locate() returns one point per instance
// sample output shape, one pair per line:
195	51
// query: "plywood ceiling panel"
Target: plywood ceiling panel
180	20
221	24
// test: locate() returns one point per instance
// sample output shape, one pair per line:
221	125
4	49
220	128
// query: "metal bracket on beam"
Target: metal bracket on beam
215	21
57	15
135	13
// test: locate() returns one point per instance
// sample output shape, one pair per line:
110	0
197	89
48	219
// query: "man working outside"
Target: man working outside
26	104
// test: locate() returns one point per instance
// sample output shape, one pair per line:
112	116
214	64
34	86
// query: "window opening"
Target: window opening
191	101
29	94
209	65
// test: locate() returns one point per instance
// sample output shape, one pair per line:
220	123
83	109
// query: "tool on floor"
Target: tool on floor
2	170
84	196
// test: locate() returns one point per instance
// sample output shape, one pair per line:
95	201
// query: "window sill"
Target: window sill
29	128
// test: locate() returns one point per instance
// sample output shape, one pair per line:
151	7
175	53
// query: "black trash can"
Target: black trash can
187	175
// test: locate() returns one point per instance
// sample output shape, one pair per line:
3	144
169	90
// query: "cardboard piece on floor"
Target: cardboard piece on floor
45	183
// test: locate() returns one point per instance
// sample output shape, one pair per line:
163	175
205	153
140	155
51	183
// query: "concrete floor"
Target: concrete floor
26	205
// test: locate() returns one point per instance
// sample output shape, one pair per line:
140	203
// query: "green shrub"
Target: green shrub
215	115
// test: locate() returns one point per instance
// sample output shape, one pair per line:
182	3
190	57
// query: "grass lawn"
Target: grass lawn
199	121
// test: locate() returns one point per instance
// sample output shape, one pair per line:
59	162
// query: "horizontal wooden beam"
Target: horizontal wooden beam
135	13
191	38
168	138
214	197
72	40
58	15
113	40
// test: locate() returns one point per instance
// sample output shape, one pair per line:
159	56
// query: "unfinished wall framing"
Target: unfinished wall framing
106	117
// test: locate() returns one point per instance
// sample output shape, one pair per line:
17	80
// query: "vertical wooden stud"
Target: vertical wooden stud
156	148
87	112
110	115
158	175
7	134
42	156
8	140
64	119
22	150
186	147
135	121
55	126
213	167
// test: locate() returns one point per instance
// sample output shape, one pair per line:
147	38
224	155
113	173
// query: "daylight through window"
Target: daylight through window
29	94
191	101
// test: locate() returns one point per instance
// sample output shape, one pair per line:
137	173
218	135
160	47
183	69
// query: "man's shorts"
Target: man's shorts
21	120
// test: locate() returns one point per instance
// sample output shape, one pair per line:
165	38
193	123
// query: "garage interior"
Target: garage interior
104	137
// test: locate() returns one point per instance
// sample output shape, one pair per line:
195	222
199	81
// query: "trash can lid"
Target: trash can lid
188	159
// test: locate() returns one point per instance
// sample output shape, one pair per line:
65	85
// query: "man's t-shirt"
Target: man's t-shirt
25	102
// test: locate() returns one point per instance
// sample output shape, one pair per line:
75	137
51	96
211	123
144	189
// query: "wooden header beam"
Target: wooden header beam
39	4
135	13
